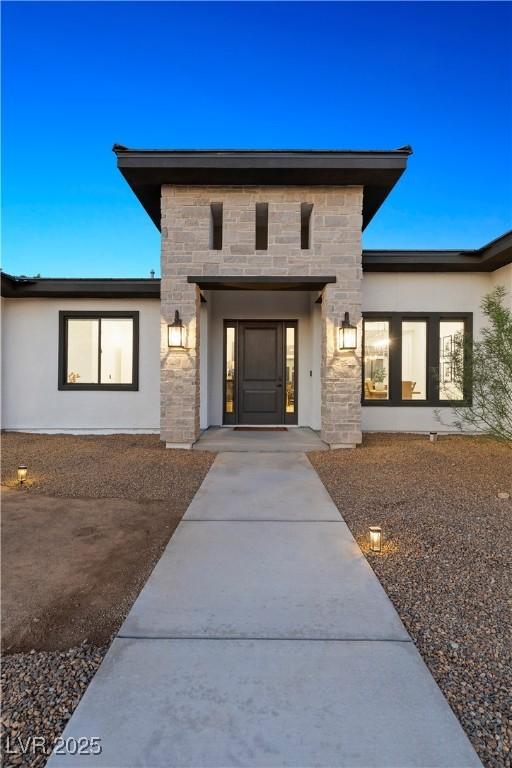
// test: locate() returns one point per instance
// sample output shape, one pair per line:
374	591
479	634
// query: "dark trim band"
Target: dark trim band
261	282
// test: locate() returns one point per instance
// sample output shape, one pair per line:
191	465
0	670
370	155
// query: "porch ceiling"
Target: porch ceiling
261	282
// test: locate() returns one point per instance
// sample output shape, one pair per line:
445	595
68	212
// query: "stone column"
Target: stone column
179	374
341	370
340	374
179	368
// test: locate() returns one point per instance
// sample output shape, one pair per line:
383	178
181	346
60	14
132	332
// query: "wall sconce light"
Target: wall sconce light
22	474
347	334
175	332
375	538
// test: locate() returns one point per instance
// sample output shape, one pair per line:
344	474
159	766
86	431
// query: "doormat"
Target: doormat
260	429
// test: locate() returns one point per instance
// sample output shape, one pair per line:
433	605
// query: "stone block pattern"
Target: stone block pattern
336	224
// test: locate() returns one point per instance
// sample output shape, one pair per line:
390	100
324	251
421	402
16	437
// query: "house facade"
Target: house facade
268	311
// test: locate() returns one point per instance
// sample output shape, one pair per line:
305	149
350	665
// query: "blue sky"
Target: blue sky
78	77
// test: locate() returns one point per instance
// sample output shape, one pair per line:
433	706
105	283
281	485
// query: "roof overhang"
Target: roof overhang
69	288
146	170
259	283
496	254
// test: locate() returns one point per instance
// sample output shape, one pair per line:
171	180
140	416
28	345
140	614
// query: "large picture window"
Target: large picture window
98	350
409	359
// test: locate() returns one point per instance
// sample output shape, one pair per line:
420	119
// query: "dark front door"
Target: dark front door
260	372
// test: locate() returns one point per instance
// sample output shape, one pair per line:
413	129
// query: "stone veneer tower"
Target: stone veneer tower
177	188
335	250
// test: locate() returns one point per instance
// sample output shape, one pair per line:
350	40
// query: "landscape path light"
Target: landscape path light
375	538
22	474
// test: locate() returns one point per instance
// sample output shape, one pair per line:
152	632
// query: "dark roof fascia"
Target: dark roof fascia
420	261
496	254
147	170
80	288
261	283
120	149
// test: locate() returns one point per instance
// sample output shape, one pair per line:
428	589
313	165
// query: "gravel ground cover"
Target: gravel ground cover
445	564
78	542
107	466
40	693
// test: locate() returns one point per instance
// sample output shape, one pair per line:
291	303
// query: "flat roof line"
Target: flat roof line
121	149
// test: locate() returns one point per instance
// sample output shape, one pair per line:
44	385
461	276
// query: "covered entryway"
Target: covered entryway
260	351
261	372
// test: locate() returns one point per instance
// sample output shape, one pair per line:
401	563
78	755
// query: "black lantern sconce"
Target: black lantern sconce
176	332
347	334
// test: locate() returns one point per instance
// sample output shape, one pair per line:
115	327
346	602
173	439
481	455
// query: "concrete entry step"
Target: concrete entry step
292	439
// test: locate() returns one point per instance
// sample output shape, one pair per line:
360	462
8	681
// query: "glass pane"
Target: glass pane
230	370
290	370
116	351
414	360
82	352
451	359
376	360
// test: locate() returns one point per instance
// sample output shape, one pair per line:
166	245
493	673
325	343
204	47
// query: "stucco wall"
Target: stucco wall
31	399
503	277
422	292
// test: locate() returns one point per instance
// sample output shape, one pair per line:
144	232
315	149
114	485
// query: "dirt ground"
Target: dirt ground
72	565
446	562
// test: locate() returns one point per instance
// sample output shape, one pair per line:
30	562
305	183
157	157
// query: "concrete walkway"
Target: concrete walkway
263	638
